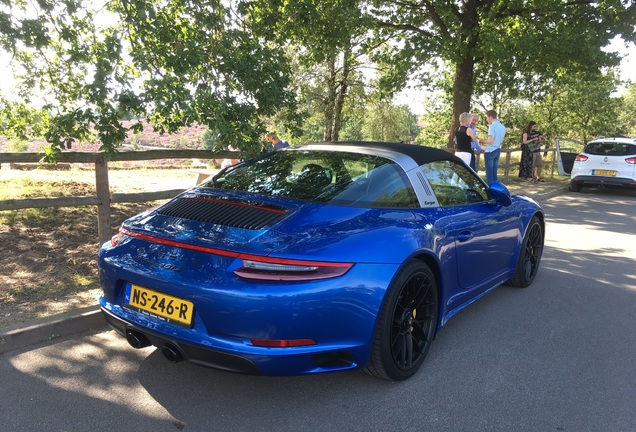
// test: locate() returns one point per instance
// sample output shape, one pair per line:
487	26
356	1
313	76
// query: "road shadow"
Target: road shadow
504	363
78	385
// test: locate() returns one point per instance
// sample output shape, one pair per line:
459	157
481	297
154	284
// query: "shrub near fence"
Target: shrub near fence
104	198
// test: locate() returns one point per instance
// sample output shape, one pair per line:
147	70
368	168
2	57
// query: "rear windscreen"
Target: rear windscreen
610	149
338	178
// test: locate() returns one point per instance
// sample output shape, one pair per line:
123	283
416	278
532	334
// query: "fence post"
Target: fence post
103	193
554	161
507	169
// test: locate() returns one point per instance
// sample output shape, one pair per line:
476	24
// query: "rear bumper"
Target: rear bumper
587	180
233	355
192	353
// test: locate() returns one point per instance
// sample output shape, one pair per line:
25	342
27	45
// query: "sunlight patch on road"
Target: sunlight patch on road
590	238
589	252
106	356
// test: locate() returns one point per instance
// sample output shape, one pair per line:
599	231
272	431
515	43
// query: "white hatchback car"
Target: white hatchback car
605	162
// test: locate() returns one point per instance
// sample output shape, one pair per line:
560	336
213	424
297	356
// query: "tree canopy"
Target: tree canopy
173	62
240	67
519	45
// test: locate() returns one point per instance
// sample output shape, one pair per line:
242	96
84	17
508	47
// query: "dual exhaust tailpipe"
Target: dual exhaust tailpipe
138	340
172	353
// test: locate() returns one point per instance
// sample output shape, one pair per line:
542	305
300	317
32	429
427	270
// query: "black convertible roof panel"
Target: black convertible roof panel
420	154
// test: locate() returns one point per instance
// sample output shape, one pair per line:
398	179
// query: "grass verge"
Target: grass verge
49	255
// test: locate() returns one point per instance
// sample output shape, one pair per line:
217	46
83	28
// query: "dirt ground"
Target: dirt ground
48	256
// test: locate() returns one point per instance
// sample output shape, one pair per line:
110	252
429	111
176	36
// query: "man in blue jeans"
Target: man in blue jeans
496	134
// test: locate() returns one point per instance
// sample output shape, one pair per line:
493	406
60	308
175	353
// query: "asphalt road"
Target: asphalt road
557	356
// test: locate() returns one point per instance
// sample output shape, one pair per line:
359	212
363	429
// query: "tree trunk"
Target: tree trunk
342	92
462	92
330	101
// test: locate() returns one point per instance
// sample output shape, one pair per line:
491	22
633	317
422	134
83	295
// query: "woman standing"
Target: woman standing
528	141
463	137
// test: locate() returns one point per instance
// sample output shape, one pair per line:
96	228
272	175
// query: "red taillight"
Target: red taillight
283	343
631	160
259	267
581	158
114	241
289	270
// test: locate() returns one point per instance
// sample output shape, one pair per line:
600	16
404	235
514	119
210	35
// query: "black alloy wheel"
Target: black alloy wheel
407	324
530	255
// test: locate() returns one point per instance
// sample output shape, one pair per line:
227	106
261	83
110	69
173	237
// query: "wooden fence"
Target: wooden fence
505	163
103	198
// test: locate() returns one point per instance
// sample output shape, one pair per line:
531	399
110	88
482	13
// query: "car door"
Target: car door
567	150
485	233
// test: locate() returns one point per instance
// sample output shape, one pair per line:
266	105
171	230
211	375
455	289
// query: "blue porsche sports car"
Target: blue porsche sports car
326	257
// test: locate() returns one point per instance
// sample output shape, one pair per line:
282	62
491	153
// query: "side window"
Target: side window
454	184
383	185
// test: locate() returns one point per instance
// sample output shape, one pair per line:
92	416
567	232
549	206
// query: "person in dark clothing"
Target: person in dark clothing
532	138
463	137
525	167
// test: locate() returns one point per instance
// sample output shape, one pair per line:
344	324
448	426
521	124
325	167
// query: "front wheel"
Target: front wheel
529	256
406	325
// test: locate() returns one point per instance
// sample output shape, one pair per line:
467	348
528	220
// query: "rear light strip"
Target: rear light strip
282	343
583	158
256	266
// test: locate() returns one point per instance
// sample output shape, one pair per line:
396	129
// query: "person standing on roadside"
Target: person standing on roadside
229	162
276	142
475	147
496	135
463	137
525	164
531	138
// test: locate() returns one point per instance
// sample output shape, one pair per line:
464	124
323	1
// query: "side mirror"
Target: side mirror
500	193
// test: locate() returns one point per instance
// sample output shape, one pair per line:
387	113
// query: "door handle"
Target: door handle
464	236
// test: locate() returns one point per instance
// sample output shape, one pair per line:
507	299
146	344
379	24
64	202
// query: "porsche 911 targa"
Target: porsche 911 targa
326	257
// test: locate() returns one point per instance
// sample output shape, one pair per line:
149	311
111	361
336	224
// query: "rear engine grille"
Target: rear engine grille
225	212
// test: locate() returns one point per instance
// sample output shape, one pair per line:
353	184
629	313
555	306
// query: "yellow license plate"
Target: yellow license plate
168	308
604	172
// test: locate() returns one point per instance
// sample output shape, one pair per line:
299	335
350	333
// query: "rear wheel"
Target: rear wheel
530	255
575	187
407	323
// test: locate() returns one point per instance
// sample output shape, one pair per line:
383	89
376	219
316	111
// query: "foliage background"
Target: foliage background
215	73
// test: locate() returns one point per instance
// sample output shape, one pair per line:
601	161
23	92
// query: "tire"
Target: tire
406	325
575	187
529	256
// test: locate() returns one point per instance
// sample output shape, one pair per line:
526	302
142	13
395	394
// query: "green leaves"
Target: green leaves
236	66
20	121
174	62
